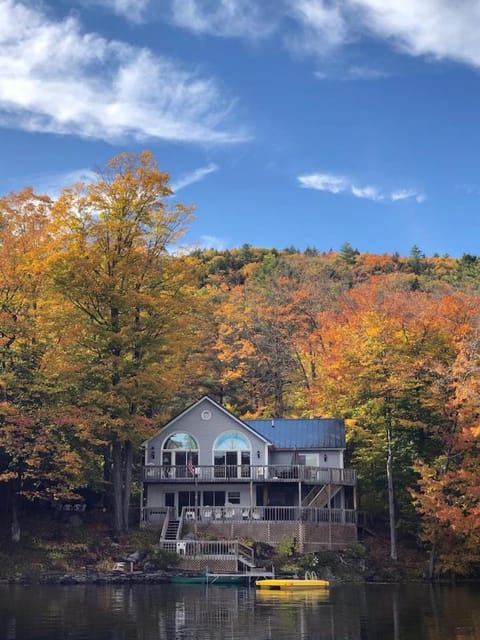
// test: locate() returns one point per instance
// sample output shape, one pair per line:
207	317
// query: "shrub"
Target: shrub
160	559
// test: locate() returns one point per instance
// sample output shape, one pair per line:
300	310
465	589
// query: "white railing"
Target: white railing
258	473
222	515
212	549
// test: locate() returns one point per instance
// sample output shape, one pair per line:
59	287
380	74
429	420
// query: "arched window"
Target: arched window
231	455
180	451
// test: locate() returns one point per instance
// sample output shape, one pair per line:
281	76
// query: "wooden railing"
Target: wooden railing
257	473
212	549
228	514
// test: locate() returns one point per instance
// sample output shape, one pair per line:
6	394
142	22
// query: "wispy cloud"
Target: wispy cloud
351	74
324	182
339	184
408	194
318	26
225	18
438	29
193	176
52	185
99	88
133	10
212	242
368	192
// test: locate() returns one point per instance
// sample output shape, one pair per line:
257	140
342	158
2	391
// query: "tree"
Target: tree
377	371
38	461
129	299
448	496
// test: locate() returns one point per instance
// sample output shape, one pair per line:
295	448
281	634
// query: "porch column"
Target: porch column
329	516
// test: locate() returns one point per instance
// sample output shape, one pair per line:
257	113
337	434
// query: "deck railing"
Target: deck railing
257	473
228	514
213	549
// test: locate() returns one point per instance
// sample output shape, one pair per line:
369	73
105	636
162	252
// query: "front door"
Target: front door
186	499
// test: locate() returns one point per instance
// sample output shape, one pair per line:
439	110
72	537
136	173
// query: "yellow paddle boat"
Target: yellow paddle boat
292	584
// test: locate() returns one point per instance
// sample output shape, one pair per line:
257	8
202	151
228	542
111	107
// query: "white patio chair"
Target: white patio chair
181	548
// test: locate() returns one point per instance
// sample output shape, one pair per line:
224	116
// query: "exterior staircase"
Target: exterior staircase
319	497
171	532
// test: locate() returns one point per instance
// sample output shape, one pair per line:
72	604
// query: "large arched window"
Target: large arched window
231	455
180	451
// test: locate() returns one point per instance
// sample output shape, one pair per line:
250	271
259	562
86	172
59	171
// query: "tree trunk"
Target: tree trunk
117	487
127	489
15	527
391	496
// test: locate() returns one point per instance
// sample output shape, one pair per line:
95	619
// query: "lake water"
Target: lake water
196	612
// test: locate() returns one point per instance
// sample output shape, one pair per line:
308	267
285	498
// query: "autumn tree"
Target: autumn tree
37	461
377	371
129	297
448	496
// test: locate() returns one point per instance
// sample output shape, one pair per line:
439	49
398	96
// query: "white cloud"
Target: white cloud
365	73
225	18
439	28
212	242
194	176
132	10
338	184
324	182
53	184
407	194
93	87
352	73
322	26
368	192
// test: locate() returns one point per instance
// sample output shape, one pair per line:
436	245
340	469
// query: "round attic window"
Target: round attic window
206	414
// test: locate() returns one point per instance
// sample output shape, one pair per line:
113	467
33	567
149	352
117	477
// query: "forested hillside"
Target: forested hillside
106	331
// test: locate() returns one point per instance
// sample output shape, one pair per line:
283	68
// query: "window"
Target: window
231	455
233	497
180	451
214	498
232	441
181	441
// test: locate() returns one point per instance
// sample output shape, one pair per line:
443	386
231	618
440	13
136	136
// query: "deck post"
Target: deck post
329	516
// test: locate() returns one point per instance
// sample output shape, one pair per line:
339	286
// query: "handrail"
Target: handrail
213	549
165	524
229	473
247	552
235	514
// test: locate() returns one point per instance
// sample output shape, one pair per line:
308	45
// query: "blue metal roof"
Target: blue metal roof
304	433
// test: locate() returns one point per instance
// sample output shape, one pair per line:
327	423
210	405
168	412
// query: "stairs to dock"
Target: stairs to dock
172	530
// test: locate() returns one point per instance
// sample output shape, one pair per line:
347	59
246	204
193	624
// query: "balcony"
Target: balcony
246	473
246	514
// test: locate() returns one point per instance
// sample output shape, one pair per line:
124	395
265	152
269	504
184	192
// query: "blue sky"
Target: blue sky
286	122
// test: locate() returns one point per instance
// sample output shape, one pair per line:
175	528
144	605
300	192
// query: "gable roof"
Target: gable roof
303	433
207	399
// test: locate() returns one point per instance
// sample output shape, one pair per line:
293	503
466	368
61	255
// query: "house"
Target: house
210	472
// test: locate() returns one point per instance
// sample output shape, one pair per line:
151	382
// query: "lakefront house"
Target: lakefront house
210	475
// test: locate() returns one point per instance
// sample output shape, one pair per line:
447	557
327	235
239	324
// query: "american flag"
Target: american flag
190	468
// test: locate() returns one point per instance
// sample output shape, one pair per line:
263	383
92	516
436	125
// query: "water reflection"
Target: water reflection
194	612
